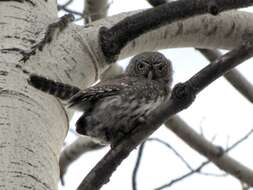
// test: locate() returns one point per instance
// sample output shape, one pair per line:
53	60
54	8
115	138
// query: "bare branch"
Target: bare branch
136	166
96	9
234	76
212	152
115	38
155	3
178	122
173	150
172	182
183	95
74	151
65	4
139	157
70	11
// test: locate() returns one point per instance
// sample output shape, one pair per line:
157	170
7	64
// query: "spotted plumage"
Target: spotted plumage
114	107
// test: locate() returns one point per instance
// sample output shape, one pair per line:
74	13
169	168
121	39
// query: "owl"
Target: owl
113	108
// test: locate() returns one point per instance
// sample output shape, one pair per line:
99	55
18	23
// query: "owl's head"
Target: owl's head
151	65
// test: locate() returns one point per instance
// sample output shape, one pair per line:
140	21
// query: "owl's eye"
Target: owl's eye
160	68
140	66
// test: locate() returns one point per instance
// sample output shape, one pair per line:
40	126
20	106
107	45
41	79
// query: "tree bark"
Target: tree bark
33	124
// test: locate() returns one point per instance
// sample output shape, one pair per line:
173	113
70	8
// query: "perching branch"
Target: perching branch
155	3
234	77
183	95
113	39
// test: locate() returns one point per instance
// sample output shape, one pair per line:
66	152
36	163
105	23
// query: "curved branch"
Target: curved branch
74	151
115	38
182	96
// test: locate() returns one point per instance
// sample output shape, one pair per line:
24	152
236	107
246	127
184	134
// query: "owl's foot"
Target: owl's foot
118	137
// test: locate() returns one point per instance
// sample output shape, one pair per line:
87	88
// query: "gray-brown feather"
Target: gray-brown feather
116	106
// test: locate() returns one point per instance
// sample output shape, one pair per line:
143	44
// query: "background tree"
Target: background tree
34	125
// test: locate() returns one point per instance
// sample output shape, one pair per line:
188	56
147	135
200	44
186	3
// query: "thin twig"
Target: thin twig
172	182
136	166
199	168
173	150
212	152
191	169
64	5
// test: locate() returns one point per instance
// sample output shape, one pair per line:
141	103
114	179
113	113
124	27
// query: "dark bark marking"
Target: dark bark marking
31	41
180	28
18	18
21	1
211	31
231	31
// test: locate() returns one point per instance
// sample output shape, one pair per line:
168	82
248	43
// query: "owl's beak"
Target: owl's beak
150	75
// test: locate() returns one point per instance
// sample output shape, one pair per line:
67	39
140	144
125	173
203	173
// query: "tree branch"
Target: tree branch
74	151
234	77
115	38
212	152
137	165
183	95
95	9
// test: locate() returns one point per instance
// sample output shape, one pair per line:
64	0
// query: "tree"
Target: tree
34	125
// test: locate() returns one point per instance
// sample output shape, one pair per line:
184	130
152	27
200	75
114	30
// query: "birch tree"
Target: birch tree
34	125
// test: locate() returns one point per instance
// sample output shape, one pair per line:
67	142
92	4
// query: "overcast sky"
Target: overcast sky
219	110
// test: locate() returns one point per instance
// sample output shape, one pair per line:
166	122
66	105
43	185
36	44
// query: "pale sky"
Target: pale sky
219	110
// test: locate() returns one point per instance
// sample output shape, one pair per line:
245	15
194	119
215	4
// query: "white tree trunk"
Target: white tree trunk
33	125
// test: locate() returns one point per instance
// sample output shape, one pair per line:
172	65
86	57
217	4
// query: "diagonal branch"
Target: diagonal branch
115	38
234	77
183	95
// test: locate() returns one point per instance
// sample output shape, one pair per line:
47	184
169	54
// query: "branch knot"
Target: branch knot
183	94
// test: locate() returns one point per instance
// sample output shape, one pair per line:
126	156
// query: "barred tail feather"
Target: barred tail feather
57	89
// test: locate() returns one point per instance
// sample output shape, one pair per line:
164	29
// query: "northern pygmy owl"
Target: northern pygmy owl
114	107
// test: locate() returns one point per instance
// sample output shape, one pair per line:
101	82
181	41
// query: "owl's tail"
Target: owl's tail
57	89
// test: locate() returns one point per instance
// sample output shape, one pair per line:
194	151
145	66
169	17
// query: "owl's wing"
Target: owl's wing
91	95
